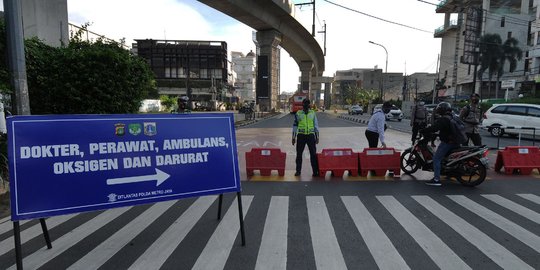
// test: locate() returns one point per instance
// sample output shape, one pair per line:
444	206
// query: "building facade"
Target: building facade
197	69
245	68
464	24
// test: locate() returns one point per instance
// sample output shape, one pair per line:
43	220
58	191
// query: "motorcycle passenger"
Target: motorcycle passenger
443	125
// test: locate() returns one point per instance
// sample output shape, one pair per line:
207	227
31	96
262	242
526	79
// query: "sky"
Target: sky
347	40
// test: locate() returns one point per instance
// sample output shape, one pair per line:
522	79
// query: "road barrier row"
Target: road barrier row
518	160
335	160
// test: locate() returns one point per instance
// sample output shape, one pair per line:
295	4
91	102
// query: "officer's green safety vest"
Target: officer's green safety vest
306	122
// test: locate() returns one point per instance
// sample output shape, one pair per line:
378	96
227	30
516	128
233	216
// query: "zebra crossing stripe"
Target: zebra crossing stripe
30	233
5	219
163	247
323	237
40	257
217	250
273	249
8	226
104	251
506	225
517	208
530	197
488	246
381	248
436	249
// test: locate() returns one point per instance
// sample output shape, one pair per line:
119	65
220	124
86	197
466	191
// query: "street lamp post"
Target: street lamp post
386	66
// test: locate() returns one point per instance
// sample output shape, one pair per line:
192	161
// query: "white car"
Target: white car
395	113
510	118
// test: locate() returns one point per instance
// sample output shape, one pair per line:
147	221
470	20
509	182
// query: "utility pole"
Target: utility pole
435	92
313	25
324	31
16	59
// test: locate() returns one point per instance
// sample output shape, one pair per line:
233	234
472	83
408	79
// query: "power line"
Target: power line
378	18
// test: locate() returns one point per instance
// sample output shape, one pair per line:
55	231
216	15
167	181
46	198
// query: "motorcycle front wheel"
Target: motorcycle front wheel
473	172
409	162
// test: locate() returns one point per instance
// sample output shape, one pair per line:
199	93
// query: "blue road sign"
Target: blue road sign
73	163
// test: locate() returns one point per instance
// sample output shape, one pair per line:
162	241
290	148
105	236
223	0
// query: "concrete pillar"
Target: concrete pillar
305	76
315	92
327	95
268	41
46	20
446	20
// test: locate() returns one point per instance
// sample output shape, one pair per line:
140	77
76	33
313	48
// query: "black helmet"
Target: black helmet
306	101
443	108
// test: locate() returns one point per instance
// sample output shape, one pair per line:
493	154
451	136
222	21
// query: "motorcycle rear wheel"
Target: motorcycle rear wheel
409	162
473	172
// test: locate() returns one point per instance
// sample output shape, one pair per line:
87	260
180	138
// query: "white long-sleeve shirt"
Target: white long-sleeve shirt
376	123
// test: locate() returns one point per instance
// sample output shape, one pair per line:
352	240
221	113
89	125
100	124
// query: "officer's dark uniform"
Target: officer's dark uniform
306	129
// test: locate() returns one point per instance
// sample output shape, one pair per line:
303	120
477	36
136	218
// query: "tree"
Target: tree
84	77
511	53
490	56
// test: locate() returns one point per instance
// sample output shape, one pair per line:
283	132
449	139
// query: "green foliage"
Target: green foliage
170	102
85	78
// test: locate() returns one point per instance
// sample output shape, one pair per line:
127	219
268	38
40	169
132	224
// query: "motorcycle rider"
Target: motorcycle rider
444	126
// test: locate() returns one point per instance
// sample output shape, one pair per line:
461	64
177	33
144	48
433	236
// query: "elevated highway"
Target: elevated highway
276	26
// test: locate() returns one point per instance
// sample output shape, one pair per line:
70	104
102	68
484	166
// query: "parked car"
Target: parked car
515	115
356	109
395	113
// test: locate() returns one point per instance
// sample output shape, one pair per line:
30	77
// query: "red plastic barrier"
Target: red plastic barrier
379	160
522	159
338	161
265	160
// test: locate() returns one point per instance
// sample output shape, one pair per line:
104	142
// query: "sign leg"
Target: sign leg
241	215
45	233
220	203
18	251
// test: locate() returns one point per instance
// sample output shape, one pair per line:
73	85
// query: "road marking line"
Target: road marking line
436	249
42	256
484	243
30	233
323	237
530	197
517	208
381	248
216	251
8	226
104	251
273	248
506	225
168	241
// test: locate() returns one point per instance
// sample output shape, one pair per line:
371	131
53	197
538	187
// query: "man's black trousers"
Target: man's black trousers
302	140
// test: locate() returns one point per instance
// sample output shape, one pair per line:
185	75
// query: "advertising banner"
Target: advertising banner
73	163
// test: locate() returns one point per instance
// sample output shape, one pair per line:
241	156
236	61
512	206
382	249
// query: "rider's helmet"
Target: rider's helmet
443	108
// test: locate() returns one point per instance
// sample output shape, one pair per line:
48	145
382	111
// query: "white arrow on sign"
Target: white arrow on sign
160	177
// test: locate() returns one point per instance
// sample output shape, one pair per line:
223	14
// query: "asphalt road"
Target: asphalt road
303	223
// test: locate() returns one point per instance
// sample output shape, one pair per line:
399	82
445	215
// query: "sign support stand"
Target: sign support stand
240	214
17	237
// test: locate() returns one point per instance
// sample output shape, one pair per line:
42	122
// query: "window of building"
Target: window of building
503	19
509	35
538	38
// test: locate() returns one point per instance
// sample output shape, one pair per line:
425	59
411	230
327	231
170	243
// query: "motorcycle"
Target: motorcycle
467	164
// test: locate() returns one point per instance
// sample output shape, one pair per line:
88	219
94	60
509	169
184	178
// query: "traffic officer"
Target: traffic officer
418	118
471	115
306	128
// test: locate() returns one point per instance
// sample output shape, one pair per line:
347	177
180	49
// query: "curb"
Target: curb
249	122
365	122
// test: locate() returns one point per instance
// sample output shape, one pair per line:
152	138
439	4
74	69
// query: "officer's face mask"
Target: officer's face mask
474	100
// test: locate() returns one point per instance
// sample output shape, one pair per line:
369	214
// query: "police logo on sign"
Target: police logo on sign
120	129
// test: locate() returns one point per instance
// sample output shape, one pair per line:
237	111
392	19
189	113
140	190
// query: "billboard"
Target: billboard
73	163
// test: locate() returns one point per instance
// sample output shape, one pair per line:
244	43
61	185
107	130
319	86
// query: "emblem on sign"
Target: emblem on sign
112	197
119	129
134	129
150	128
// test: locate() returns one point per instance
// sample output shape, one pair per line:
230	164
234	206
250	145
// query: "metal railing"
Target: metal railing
510	128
